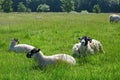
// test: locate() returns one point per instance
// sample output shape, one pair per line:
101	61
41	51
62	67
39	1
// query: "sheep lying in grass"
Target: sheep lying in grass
88	45
43	60
114	18
75	49
15	46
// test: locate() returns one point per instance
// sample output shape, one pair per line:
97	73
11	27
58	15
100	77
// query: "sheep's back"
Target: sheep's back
114	17
95	45
66	58
23	48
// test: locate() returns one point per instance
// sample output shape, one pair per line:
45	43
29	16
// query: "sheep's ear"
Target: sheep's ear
38	50
16	39
89	39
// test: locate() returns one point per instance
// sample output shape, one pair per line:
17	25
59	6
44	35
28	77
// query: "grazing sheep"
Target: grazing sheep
88	45
43	60
15	46
114	18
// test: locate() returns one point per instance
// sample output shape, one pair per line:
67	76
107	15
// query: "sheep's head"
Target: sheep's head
84	40
15	40
32	52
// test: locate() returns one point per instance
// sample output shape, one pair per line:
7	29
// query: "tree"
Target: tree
1	1
33	4
62	5
53	6
67	5
77	5
43	8
7	5
114	5
21	7
96	8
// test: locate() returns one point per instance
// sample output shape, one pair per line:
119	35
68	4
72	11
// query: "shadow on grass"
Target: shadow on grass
52	67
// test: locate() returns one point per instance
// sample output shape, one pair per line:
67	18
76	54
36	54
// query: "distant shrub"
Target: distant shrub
67	5
28	10
43	8
21	7
84	11
96	8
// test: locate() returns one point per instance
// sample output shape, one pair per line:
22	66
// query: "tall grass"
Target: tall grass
56	33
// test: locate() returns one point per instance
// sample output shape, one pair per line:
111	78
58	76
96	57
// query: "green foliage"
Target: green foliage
0	8
105	5
56	33
28	10
1	5
67	5
96	8
43	8
21	7
84	12
7	5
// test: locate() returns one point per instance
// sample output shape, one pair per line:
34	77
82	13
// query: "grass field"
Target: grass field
56	33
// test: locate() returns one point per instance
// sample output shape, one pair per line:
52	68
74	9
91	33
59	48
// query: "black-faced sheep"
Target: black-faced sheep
88	45
43	60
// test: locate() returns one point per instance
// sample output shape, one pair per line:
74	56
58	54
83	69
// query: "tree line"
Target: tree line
59	5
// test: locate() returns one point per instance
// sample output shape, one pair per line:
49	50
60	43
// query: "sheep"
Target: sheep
43	60
88	45
114	18
20	48
75	49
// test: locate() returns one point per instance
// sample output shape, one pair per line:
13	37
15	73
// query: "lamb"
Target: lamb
88	45
114	18
43	60
75	49
20	48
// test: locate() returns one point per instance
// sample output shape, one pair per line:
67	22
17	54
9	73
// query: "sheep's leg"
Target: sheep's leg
101	49
79	53
111	21
85	53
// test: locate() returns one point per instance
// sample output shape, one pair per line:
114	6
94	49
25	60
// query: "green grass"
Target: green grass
56	33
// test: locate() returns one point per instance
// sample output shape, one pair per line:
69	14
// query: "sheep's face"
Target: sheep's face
32	52
84	40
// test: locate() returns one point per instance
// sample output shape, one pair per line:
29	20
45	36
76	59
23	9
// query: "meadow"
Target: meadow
56	33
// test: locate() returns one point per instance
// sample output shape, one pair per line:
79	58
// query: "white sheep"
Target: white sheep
114	18
15	46
88	45
75	49
43	60
96	46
